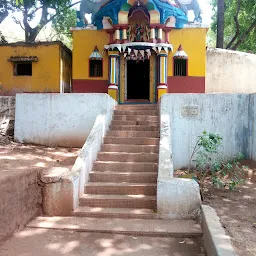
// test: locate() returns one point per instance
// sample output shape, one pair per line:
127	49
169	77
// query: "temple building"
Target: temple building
137	50
35	67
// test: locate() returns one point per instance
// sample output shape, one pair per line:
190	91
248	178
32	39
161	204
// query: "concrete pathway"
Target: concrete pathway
48	242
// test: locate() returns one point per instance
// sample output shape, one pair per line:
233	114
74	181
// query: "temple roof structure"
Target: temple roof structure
165	9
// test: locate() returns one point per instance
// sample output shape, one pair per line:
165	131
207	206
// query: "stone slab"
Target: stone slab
216	242
46	242
163	228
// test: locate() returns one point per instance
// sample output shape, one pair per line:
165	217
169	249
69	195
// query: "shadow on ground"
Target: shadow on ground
35	241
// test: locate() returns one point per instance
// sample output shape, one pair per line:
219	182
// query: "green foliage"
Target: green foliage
223	173
62	24
3	10
229	173
206	147
50	10
239	26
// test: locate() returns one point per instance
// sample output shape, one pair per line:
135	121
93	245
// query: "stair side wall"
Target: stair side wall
62	191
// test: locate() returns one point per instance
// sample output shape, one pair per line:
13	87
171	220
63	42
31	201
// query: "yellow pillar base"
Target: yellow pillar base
161	89
113	92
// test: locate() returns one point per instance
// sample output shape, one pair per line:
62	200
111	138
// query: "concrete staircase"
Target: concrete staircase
121	195
124	177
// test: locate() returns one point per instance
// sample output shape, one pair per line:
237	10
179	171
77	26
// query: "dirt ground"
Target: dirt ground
237	212
15	157
44	242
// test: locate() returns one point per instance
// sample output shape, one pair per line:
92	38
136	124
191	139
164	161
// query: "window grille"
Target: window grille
180	67
96	68
23	69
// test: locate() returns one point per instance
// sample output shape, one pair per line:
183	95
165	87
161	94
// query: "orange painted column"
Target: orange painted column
113	83
162	76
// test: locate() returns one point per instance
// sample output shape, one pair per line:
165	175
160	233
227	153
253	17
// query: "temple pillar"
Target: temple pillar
152	35
113	77
124	33
162	76
160	35
117	36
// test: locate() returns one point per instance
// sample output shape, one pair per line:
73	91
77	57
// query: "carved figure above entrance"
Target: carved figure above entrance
139	29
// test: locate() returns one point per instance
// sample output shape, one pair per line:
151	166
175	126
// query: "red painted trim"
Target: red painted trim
167	29
157	25
124	26
90	86
90	69
186	84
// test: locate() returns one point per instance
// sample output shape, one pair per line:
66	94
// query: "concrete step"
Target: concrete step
134	122
130	148
137	107
151	118
104	166
123	213
127	157
118	201
110	188
133	128
133	227
133	177
145	112
151	134
132	140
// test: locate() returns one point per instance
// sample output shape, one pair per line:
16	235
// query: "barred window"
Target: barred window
180	67
96	68
23	69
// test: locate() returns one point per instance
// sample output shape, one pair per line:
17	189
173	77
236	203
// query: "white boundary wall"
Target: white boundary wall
191	114
252	120
7	112
230	72
59	119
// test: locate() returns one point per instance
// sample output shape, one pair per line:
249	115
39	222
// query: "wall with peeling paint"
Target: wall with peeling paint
225	114
58	119
7	115
230	72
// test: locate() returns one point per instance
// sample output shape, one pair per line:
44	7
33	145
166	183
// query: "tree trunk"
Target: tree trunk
220	24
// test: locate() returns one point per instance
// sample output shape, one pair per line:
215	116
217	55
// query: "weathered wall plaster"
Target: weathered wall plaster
252	124
20	201
191	114
230	72
7	115
58	119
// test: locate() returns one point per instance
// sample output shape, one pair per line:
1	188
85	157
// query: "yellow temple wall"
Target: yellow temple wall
45	73
84	42
193	41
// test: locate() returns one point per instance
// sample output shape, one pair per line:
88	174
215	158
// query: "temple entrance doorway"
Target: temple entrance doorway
138	80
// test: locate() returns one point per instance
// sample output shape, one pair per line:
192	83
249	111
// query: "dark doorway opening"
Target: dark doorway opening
138	80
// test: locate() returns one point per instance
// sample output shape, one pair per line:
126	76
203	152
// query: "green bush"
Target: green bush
221	172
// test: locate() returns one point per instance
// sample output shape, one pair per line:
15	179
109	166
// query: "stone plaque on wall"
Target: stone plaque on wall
190	111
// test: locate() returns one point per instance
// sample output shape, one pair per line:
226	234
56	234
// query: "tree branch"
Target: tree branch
245	35
18	22
237	25
34	11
